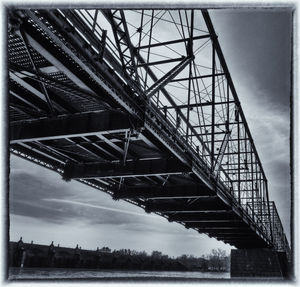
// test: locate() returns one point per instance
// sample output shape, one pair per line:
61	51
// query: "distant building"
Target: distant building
34	255
105	250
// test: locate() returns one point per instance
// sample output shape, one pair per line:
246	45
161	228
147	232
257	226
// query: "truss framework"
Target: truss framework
173	83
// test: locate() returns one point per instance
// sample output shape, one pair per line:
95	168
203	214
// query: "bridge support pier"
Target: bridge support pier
257	263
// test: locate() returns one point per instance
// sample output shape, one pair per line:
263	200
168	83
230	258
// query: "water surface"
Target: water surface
62	273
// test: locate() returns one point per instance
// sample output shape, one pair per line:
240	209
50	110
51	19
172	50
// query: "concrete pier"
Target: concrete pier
256	263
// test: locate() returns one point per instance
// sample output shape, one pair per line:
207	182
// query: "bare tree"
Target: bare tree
218	259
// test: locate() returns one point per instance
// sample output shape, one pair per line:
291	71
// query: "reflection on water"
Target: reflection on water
60	273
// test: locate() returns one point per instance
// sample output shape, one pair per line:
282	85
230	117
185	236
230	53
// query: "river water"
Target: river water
111	275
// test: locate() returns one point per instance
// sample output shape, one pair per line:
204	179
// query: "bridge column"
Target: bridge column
256	263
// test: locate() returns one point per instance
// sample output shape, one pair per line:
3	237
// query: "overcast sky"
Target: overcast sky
43	207
256	46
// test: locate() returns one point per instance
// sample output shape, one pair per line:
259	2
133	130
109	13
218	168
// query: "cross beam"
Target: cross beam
164	192
196	78
190	106
215	232
199	206
172	42
81	124
196	217
226	230
130	169
235	237
224	225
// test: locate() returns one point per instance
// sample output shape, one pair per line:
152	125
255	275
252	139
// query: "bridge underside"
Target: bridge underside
149	176
69	112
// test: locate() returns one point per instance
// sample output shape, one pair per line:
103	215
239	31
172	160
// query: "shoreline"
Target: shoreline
62	274
157	276
150	279
118	279
113	270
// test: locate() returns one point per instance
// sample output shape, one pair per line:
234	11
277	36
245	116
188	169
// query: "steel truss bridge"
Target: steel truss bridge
140	104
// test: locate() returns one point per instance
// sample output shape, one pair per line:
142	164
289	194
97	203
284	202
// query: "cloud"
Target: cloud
96	206
60	202
257	48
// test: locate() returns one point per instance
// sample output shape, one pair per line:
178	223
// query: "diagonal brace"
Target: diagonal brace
23	36
162	82
221	153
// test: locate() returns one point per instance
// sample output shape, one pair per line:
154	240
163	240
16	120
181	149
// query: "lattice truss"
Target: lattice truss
170	56
169	61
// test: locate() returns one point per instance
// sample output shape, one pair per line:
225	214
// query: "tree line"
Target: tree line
33	255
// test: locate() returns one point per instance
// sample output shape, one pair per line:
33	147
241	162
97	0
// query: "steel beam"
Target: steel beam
51	81
161	62
235	237
207	216
165	192
172	42
83	124
214	232
243	239
196	78
246	244
61	56
123	42
162	82
45	92
58	20
22	109
204	104
56	62
30	88
37	155
130	169
202	206
213	111
228	230
211	224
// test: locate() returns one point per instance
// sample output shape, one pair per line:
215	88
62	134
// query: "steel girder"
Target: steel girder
127	169
165	192
75	125
122	38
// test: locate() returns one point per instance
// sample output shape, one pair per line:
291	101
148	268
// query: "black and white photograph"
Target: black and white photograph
149	143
